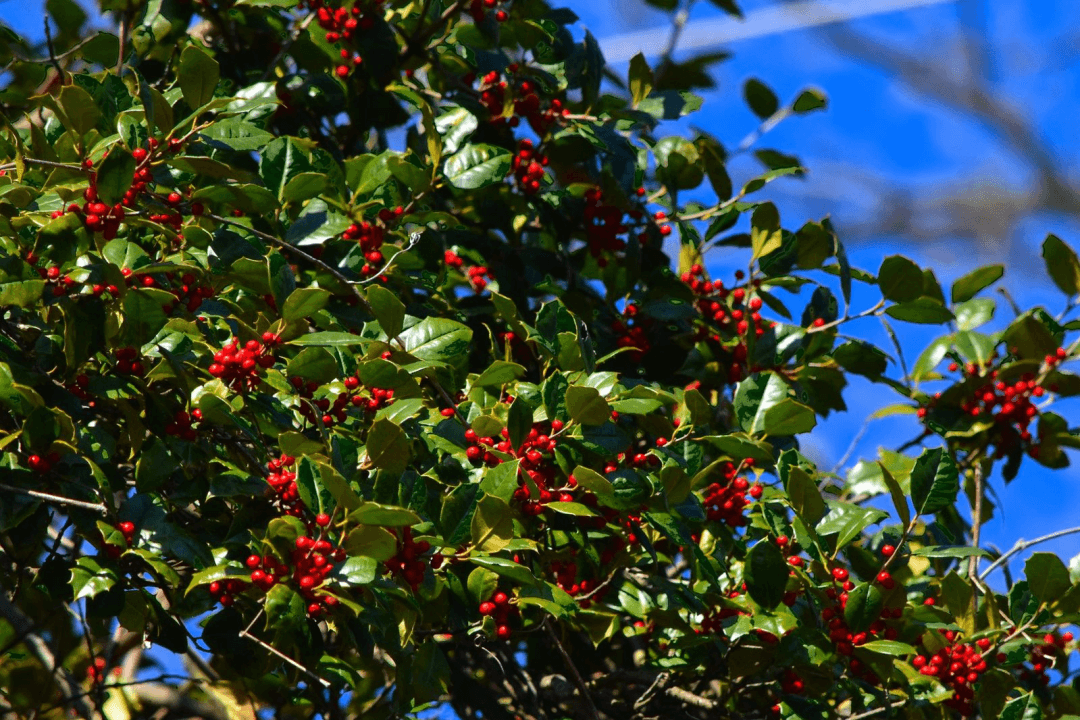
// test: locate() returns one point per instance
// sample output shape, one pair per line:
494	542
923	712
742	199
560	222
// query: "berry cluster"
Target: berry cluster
371	236
312	561
534	453
479	275
342	25
528	166
479	8
184	423
1009	406
566	577
239	366
499	608
189	293
282	482
128	362
603	226
957	666
58	284
1043	657
733	313
322	409
726	501
408	562
225	591
631	333
95	671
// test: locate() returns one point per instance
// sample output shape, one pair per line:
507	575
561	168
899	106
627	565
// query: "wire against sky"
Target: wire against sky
703	34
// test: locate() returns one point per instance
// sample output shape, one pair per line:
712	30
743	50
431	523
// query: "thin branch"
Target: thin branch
52	50
578	680
976	518
1022	545
691	699
59	499
283	656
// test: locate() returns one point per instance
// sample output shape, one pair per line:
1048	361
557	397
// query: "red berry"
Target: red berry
322	520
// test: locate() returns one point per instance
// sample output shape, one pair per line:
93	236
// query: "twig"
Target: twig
578	680
691	699
879	710
59	499
414	238
52	51
283	656
851	448
1022	545
976	518
125	18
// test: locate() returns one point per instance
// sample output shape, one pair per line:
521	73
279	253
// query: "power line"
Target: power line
701	34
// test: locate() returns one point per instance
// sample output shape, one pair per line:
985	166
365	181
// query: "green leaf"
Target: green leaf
114	175
198	74
304	302
80	108
385	515
765	233
570	508
934	482
387	447
355	571
1047	576
973	313
766	574
88	578
507	568
499	373
519	421
900	279
864	604
846	521
502	480
586	406
641	78
1025	707
949	551
455	125
805	497
810	100
899	499
753	398
1062	264
328	339
437	339
789	417
761	99
389	311
861	358
477	166
922	310
971	284
889	647
284	607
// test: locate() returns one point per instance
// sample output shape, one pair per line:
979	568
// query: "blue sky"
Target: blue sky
875	123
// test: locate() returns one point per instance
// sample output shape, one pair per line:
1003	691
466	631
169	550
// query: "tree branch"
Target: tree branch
1022	545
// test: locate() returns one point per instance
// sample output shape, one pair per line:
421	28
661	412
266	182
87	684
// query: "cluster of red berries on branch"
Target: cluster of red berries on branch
528	167
631	332
499	608
59	285
726	500
478	9
184	425
343	25
957	666
79	388
1043	657
494	91
409	562
225	591
95	671
833	617
534	453
479	275
128	362
371	236
322	409
312	561
603	226
189	293
1009	406
566	577
240	366
282	482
